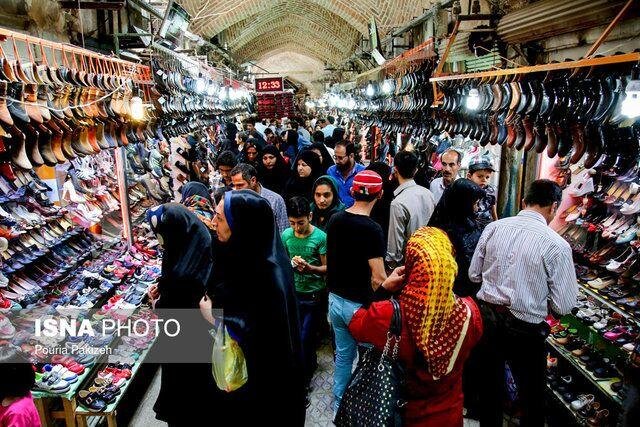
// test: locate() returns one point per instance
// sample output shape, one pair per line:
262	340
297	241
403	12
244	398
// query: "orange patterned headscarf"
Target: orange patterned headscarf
438	320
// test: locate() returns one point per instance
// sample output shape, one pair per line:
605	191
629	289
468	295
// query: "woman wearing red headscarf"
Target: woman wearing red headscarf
438	331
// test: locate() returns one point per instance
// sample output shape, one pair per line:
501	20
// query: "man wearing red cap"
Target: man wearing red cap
355	270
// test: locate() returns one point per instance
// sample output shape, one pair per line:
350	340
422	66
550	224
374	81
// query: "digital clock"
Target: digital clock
269	84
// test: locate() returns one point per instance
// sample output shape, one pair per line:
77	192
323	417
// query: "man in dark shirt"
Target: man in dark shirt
355	269
225	162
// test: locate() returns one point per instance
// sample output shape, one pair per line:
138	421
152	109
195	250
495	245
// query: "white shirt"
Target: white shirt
260	128
437	187
526	266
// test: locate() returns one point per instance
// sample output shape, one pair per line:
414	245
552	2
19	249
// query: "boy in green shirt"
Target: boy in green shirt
307	248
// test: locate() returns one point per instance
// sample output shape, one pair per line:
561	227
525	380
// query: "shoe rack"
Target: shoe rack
600	222
72	111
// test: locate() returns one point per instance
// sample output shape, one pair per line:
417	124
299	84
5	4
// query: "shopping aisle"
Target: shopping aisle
319	414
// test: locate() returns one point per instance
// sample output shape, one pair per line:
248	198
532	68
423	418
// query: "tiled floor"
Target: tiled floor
319	413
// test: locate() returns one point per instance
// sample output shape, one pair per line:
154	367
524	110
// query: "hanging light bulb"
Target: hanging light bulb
473	99
211	89
223	93
386	87
200	86
370	90
631	105
137	109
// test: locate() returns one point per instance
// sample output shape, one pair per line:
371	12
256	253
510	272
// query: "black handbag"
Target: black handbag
374	396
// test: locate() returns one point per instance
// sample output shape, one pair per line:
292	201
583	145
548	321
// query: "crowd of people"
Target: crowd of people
300	231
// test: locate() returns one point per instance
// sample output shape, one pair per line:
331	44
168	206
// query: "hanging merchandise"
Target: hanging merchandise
193	98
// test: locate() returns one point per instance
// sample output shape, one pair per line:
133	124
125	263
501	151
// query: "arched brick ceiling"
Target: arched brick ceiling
299	67
322	27
336	20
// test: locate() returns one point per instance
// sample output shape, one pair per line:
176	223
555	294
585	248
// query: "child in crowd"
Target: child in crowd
307	248
480	171
16	404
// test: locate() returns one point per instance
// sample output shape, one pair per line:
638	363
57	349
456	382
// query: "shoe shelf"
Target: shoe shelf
88	369
111	408
578	421
608	303
72	390
604	385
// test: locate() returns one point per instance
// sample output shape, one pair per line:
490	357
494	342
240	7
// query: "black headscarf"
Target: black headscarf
186	264
195	188
456	204
327	160
186	259
255	289
455	215
231	130
320	217
274	179
338	134
303	187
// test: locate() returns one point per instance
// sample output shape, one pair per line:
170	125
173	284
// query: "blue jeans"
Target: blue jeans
311	306
340	313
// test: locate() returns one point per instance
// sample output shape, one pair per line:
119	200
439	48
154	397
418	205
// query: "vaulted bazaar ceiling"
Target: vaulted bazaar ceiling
296	37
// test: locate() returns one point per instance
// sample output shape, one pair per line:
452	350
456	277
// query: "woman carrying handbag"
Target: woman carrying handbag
438	332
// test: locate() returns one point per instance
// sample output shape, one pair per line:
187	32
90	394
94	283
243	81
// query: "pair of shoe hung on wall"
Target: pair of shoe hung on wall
32	133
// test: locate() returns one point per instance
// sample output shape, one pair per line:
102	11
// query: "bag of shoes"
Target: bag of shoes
374	396
228	365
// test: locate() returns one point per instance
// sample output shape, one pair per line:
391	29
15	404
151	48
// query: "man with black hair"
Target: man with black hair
318	136
345	170
245	176
249	125
355	270
527	273
411	207
307	248
225	162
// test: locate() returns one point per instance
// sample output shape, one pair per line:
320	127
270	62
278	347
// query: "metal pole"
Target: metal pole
119	154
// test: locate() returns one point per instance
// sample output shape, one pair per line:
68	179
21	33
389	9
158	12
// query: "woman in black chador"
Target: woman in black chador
254	288
186	266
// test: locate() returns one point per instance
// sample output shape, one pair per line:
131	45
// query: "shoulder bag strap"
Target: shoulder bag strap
395	327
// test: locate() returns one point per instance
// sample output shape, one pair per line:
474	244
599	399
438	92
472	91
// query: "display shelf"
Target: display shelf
604	385
561	402
72	390
90	368
81	410
605	301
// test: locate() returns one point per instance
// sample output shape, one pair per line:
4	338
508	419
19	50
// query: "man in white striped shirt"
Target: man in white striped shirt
527	272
